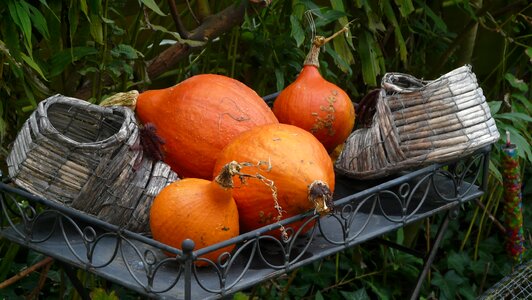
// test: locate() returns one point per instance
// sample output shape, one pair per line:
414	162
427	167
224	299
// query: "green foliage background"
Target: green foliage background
100	47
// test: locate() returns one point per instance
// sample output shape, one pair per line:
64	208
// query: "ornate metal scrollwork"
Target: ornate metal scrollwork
359	216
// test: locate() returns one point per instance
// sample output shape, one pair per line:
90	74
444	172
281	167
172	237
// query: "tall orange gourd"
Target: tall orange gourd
197	209
196	118
291	159
315	104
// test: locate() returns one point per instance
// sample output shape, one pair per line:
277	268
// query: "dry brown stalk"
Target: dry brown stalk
42	280
26	272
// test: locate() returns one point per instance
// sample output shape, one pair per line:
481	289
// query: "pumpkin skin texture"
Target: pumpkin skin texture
296	158
198	117
195	209
316	105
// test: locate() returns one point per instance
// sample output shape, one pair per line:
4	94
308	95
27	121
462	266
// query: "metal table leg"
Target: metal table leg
451	214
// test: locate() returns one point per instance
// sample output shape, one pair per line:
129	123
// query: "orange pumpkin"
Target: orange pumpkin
316	105
197	209
199	116
290	157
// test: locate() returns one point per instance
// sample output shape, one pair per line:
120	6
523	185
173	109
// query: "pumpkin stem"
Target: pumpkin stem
225	177
128	99
320	195
317	43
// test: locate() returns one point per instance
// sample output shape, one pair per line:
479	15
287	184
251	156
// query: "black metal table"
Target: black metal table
365	210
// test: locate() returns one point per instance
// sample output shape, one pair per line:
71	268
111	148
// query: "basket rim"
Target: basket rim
47	129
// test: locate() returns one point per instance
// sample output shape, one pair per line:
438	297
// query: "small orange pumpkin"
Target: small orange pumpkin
315	104
197	209
196	118
289	157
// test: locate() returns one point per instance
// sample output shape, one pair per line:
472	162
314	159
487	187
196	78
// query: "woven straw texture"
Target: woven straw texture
89	158
417	123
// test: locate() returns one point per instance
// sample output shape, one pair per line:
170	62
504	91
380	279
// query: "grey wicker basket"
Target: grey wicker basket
419	122
88	157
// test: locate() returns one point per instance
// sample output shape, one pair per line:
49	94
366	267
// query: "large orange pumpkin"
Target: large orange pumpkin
197	209
199	116
293	159
316	105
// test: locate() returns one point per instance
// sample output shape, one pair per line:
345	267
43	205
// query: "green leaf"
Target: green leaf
20	13
318	296
45	4
516	83
8	260
240	296
279	79
494	106
368	58
96	28
495	172
524	100
339	60
62	59
125	50
528	52
467	291
382	293
84	8
39	22
73	19
523	146
458	261
399	40
101	294
438	22
343	45
28	60
447	284
153	6
405	7
88	70
360	294
175	35
297	31
514	116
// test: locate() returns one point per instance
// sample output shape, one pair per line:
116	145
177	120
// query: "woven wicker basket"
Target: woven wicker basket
419	122
89	158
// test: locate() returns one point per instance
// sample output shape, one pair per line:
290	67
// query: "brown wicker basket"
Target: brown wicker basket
419	122
88	157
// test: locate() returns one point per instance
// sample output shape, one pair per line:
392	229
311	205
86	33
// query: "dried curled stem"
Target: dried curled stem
320	195
317	43
225	179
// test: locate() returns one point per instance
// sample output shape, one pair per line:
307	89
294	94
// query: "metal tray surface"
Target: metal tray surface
365	210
